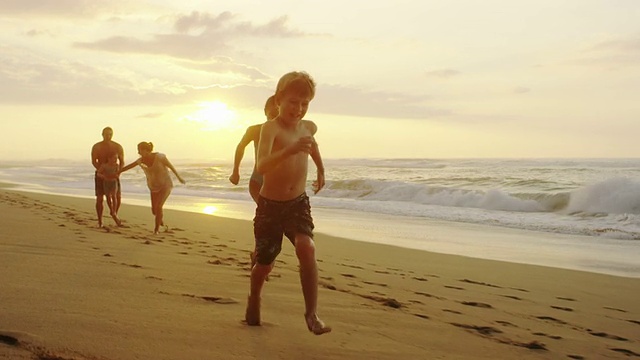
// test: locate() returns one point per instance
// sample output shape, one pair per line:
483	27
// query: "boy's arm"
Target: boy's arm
317	159
268	159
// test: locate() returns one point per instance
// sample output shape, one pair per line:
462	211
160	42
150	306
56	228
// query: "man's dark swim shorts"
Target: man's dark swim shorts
276	218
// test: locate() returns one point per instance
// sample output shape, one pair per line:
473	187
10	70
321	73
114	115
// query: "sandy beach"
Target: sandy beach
70	290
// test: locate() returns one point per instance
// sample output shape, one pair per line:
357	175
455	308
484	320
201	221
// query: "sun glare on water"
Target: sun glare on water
210	210
213	116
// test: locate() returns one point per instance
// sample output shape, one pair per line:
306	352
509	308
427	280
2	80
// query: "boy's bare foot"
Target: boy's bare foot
116	219
252	315
315	325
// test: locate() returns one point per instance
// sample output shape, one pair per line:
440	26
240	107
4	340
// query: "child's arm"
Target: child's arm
100	172
112	175
317	159
239	154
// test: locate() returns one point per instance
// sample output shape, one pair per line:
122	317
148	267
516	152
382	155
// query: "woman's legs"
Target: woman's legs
158	198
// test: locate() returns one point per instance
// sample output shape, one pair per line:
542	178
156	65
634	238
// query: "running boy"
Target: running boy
108	172
283	206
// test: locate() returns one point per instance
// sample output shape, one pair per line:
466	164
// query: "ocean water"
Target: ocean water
572	213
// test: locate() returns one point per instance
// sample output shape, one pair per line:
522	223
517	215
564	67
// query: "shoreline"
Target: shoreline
72	291
564	251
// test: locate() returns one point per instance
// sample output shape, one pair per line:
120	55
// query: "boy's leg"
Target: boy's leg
259	274
111	201
268	232
118	197
306	253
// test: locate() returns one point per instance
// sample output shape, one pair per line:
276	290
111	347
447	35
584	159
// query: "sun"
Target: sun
214	115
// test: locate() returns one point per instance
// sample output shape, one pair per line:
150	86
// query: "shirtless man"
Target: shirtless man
283	205
100	155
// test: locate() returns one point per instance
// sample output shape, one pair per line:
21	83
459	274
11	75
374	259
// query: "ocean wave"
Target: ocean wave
612	196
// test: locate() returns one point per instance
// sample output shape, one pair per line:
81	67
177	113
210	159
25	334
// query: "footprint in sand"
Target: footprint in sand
607	336
350	266
554	337
480	283
476	304
614	309
454	287
214	299
452	311
390	302
429	295
566	298
552	319
626	352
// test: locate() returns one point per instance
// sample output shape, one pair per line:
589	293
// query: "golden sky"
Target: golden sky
400	78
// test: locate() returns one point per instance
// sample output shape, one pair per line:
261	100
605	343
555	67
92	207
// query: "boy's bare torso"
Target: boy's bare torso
288	180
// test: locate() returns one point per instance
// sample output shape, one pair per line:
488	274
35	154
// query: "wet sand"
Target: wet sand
70	290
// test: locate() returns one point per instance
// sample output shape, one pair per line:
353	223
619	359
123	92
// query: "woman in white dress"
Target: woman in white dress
155	166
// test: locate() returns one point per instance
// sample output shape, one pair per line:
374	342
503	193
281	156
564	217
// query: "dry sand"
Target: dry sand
69	290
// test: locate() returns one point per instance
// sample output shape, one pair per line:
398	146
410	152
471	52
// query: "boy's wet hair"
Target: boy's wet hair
298	81
145	146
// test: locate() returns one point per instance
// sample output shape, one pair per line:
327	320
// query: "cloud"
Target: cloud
37	33
224	64
611	54
57	8
196	36
521	90
43	81
442	73
150	116
336	99
619	45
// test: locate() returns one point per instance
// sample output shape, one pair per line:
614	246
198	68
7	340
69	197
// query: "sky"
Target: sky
395	79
